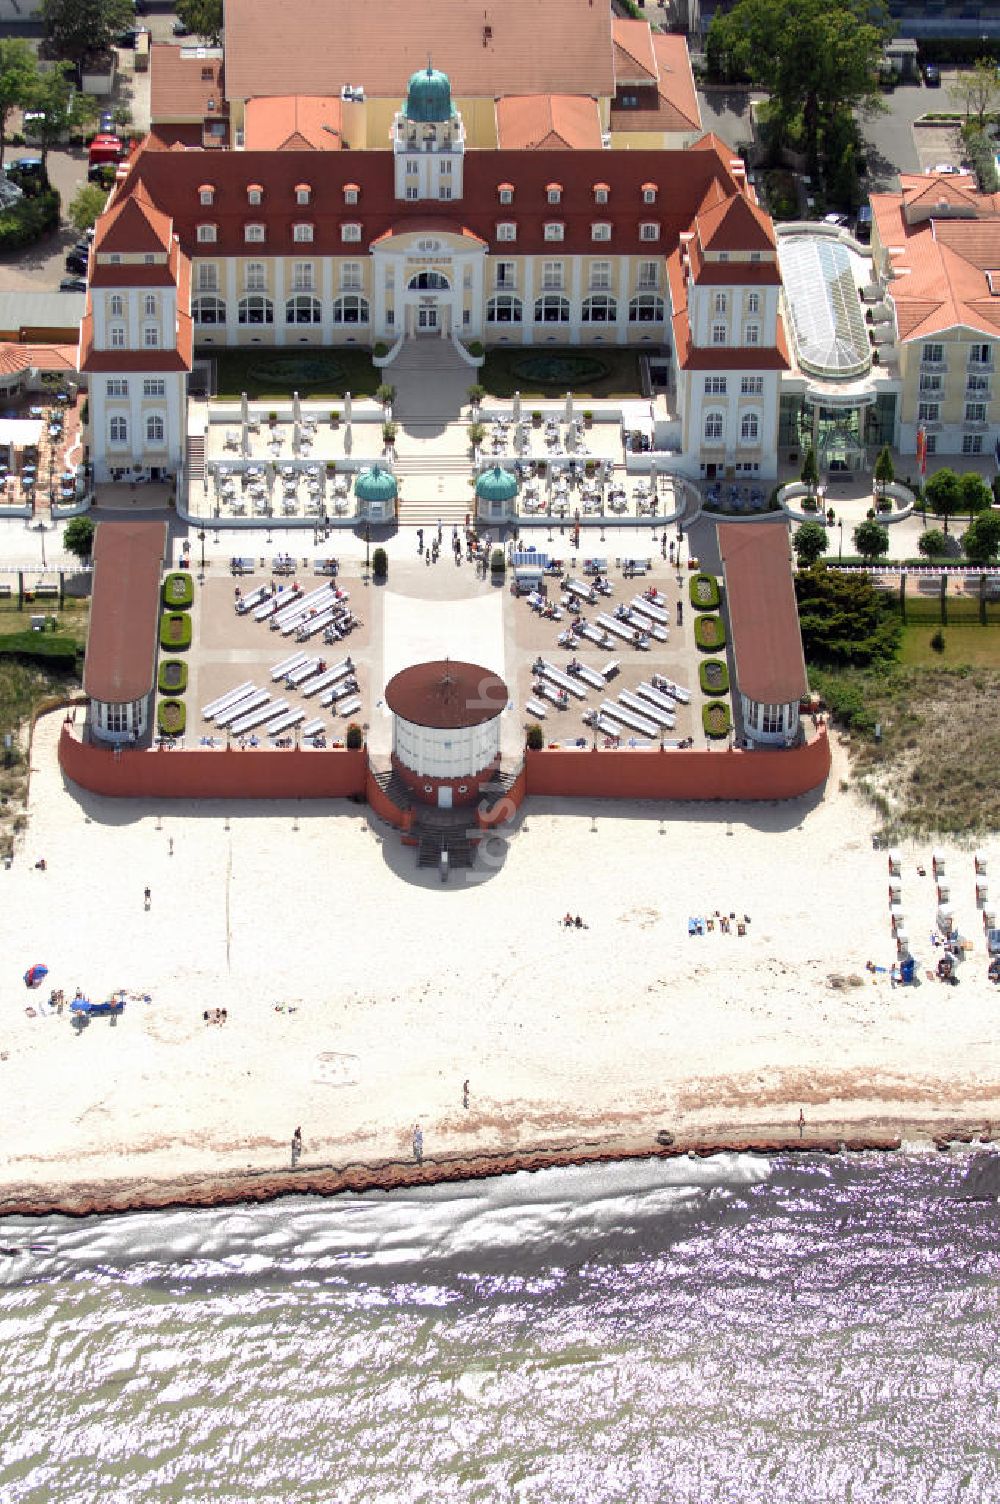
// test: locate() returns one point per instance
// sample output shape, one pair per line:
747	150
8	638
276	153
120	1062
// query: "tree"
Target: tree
18	79
844	619
80	30
203	17
982	538
61	109
809	473
885	471
817	59
976	494
871	540
809	543
977	89
943	495
87	203
78	538
932	543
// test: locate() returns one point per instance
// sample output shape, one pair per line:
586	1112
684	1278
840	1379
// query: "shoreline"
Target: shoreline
256	1187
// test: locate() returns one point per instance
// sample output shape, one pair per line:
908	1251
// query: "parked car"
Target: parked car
24	167
77	263
73	284
932	76
840	220
180	30
107	126
863	228
127	39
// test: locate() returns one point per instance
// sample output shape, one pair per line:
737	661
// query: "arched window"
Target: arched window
208	311
646	308
714	423
551	309
504	309
599	309
350	309
749	428
256	309
119	430
117	308
429	282
302	309
155	429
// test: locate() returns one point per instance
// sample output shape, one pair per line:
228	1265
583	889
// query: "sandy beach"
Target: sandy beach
361	994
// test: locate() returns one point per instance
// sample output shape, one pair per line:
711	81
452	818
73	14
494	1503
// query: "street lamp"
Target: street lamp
368	539
840	551
201	540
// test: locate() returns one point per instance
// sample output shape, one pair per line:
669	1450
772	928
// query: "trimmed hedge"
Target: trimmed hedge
709	633
42	647
716	719
536	738
178	591
713	676
380	564
171	717
704	592
172	668
28	220
175	631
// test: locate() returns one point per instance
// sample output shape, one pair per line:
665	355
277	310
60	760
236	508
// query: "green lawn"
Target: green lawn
313	373
965	645
584	371
71	621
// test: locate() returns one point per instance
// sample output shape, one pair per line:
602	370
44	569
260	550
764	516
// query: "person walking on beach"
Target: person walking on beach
147	899
465	1093
418	1144
296	1146
802	1122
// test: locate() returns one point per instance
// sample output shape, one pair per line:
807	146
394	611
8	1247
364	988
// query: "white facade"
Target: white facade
119	724
773	725
450	753
138	425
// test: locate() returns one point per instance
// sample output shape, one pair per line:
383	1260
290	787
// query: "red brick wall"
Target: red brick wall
417	783
679	775
384	807
206	774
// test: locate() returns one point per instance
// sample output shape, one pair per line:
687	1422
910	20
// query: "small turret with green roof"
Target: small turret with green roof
428	97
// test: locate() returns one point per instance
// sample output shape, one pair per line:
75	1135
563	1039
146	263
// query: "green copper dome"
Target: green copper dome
375	484
496	485
428	97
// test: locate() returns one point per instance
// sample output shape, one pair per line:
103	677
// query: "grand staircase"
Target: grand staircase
438	830
196	457
432	383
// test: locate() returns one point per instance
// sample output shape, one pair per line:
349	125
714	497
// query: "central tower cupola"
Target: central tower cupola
428	139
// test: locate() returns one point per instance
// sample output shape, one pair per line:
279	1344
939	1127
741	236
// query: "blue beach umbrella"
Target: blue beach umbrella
35	975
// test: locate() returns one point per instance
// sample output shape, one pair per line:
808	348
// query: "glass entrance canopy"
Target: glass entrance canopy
828	324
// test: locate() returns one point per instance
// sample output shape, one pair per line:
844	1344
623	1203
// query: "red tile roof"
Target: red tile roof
132	226
487	50
182	85
548	121
446	694
293	122
124	611
171	179
635	60
677	109
940	263
763	615
691	357
735	225
165	358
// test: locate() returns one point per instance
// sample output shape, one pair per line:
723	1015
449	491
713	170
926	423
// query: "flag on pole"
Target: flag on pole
922	449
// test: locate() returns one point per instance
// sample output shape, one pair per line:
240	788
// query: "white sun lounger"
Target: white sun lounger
259	716
286	621
274	603
241	708
337	692
286	665
589	676
593	634
551	692
651	712
650	628
656	696
628	717
246	603
617	628
646	608
535	707
350	706
302	672
679	692
611	668
326	678
286	722
314	624
223	700
313	728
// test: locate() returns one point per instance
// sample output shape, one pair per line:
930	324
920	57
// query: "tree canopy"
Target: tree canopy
843	618
79	30
87	203
932	543
818	59
79	537
982	538
943	494
18	80
203	17
977	89
885	470
809	543
809	474
871	540
976	494
61	108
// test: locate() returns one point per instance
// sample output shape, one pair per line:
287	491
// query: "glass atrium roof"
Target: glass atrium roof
828	323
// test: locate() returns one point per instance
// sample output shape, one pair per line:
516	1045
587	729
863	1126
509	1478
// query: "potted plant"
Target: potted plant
476	394
334	419
389	432
536	419
380	564
477	433
380	350
385	394
536	738
355	737
498	563
588	419
272	418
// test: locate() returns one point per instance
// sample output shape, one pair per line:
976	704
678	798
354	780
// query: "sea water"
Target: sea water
734	1329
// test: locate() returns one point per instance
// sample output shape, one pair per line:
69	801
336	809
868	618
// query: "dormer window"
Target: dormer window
554	230
601	191
303	193
254	233
207	233
553	193
302	233
649	231
350	232
255	194
206	194
506	193
351	193
507	231
649	193
600	232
